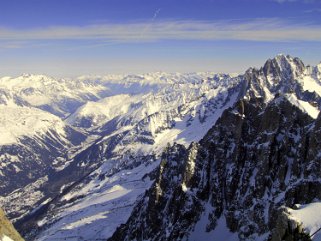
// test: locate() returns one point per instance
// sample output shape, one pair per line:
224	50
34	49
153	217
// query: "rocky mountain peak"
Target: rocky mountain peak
283	67
282	75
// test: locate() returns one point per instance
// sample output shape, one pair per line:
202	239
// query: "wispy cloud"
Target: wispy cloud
283	1
314	10
13	44
272	30
150	24
302	1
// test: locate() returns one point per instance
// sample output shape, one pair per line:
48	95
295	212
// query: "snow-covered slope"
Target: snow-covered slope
30	140
21	121
95	211
58	96
311	109
308	216
94	114
63	96
149	121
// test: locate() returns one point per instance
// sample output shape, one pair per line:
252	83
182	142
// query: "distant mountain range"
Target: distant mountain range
160	156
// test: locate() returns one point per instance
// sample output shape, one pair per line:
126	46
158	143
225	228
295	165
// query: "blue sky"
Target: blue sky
75	37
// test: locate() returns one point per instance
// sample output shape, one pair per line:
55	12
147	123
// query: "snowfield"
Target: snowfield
100	207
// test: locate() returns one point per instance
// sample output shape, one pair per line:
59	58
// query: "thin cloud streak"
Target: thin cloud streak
284	1
269	30
315	10
291	1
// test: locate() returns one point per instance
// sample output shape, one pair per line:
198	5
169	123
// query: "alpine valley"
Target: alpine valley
163	156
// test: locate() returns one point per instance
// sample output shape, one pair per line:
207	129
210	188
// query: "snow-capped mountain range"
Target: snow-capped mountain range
77	157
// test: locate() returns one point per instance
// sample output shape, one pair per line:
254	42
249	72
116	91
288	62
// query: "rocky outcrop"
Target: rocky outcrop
7	229
288	229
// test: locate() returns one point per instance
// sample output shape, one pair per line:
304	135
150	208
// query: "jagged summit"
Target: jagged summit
284	75
282	68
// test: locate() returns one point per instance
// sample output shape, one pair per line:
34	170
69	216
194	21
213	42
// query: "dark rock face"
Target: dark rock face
288	229
278	75
255	159
283	68
166	195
